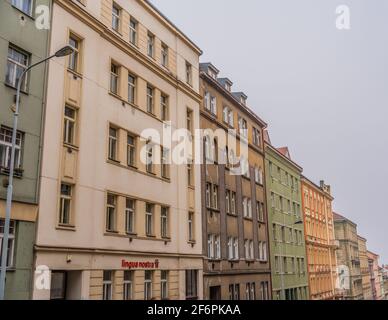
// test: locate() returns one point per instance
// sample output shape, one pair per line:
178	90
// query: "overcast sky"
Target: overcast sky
323	92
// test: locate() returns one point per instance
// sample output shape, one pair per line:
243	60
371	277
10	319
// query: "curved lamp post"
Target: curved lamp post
65	51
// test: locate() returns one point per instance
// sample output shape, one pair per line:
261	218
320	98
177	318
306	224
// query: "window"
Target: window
164	222
210	246
149	217
164	55
207	101
250	291
258	175
131	151
107	285
230	248
6	146
233	203
208	197
164	107
164	284
243	127
11	241
149	157
191	284
131	89
215	197
260	211
262	251
189	73
128	285
189	120
247	207
227	201
228	116
111	212
116	12
150	45
148	275
65	204
74	58
112	144
213	105
150	99
165	160
69	125
234	292
264	290
114	78
133	31
130	216
233	248
256	137
191	225
23	5
217	247
17	62
236	252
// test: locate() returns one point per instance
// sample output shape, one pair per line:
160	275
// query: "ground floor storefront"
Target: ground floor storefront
69	274
237	286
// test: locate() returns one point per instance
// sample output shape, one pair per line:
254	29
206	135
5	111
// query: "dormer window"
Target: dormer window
228	87
243	100
212	74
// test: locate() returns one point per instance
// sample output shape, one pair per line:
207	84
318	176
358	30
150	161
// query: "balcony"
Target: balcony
335	244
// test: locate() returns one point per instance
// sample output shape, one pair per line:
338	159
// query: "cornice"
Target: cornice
126	47
289	161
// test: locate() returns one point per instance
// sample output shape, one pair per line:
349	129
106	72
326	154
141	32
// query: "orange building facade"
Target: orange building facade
320	241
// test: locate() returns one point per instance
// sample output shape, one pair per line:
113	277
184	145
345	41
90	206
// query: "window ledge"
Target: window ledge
15	88
65	227
75	73
24	13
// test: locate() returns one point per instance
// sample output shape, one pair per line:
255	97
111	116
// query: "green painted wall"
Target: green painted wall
18	285
19	30
279	172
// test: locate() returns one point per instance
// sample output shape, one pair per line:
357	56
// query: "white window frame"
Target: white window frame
11	242
6	145
111	210
113	143
70	126
164	275
14	65
148	294
164	215
149	217
65	198
130	206
128	285
133	25
107	291
116	17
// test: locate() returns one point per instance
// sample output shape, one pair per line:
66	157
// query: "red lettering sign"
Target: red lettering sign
140	264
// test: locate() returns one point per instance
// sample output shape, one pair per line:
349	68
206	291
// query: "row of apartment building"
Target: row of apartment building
92	220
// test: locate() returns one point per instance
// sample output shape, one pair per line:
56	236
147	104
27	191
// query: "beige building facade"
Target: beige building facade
112	226
364	267
348	255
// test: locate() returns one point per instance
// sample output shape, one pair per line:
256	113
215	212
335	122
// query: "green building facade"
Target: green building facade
23	41
286	227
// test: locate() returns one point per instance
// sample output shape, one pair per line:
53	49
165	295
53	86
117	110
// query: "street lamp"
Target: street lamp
65	51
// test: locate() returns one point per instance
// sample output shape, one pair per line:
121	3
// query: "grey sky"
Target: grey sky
322	91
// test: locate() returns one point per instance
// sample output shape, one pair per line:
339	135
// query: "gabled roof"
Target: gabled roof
285	152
